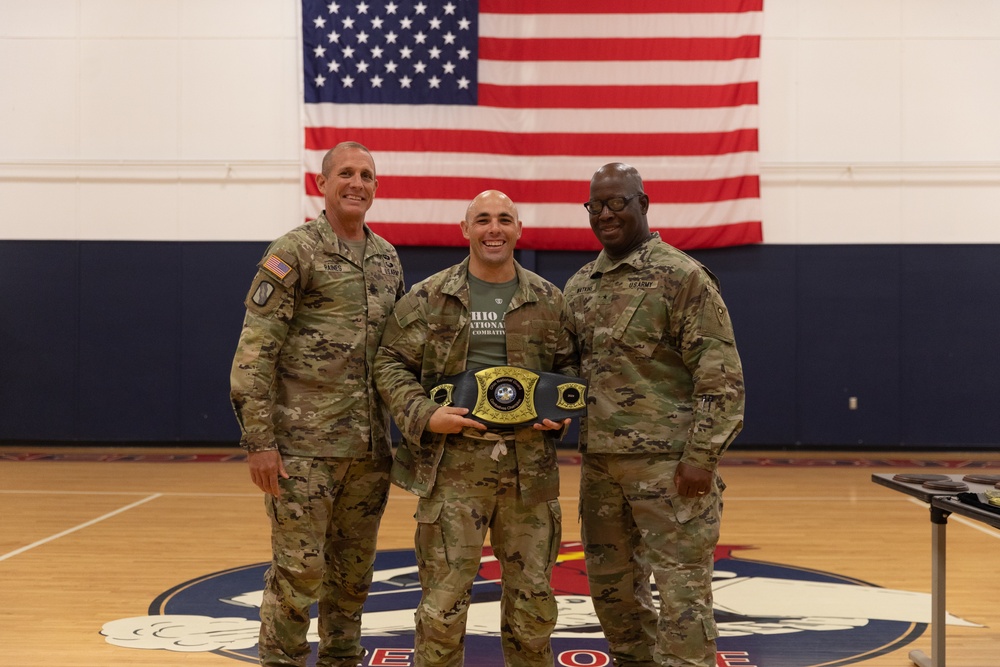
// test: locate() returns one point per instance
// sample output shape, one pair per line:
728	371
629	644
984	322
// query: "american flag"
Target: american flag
531	97
277	267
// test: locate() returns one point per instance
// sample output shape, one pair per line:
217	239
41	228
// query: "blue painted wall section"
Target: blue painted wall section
131	341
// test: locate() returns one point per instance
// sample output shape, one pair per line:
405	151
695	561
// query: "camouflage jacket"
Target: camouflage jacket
301	379
657	346
428	339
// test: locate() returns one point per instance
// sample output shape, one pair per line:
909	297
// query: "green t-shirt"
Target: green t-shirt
358	248
487	334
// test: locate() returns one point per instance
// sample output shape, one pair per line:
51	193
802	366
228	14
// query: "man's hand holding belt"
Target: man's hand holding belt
506	396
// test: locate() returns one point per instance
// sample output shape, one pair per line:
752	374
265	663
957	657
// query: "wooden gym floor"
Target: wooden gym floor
91	535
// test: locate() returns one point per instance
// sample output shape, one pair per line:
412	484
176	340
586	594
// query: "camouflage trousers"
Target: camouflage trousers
323	531
634	525
474	493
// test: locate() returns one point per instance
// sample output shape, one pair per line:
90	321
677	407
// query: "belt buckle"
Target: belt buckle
510	395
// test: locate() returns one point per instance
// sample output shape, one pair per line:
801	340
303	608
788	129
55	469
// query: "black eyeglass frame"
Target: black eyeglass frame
607	202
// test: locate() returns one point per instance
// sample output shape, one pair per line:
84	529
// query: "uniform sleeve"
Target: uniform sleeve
270	306
567	356
566	360
708	346
397	368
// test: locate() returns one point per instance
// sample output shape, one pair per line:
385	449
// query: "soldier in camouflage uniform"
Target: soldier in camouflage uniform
665	400
470	478
315	430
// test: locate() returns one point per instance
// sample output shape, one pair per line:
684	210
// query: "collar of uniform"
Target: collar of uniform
524	293
330	239
457	281
457	284
335	245
636	259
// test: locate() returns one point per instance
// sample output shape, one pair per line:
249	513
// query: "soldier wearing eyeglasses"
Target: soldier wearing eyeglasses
665	401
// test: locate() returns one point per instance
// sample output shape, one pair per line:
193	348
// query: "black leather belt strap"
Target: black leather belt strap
508	395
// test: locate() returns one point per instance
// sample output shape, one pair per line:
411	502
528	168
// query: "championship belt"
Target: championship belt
508	395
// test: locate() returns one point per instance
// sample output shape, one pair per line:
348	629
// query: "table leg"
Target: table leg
939	540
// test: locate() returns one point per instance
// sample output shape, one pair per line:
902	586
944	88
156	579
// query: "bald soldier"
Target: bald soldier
315	431
486	311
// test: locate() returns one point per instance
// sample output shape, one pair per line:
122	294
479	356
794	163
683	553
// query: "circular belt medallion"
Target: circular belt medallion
509	395
505	394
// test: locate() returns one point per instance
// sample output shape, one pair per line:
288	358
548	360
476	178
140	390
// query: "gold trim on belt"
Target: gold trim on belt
508	395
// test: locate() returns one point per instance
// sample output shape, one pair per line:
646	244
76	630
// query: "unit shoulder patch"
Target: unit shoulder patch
262	293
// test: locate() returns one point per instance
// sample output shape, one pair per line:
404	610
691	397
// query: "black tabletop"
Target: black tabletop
943	499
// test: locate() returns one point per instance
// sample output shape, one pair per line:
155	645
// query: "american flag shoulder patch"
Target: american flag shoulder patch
278	268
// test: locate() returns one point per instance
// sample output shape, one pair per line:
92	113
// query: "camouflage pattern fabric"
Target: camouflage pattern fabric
657	347
634	524
476	493
348	495
427	338
472	482
300	380
300	384
665	386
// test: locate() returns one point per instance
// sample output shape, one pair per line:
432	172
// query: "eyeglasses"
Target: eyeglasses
615	204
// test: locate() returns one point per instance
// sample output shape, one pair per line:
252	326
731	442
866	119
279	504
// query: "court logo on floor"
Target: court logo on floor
769	615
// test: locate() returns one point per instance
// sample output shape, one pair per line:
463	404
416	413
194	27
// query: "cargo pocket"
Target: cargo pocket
429	542
555	515
638	335
711	629
686	509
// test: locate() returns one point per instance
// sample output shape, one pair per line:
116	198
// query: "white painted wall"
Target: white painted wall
879	121
179	120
